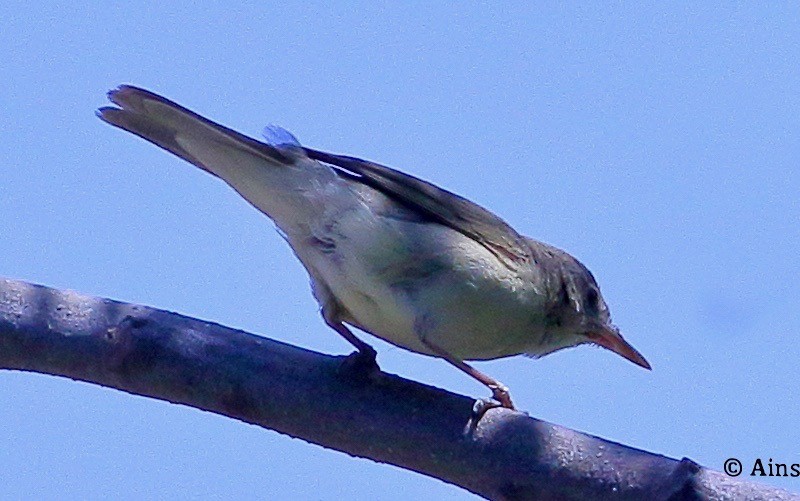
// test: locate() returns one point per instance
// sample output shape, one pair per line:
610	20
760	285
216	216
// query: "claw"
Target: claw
360	364
501	398
479	408
501	394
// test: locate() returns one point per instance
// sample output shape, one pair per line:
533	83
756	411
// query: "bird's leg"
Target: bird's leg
362	360
499	390
365	351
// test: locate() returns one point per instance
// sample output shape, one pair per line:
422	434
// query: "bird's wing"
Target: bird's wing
440	205
160	120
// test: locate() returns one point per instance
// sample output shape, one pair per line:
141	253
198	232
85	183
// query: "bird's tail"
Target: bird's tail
174	128
272	177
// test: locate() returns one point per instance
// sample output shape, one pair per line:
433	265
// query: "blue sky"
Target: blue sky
659	145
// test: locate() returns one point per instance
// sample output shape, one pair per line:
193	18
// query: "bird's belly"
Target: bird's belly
444	288
468	323
378	311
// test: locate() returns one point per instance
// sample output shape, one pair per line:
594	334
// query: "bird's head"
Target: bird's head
578	308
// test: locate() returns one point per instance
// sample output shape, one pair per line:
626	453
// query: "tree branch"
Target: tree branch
307	395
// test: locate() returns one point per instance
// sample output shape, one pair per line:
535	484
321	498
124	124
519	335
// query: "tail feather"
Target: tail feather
163	122
277	178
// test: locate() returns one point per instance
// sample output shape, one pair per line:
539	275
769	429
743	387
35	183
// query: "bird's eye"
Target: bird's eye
591	301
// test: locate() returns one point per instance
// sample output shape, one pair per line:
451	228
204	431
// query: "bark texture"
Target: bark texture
315	397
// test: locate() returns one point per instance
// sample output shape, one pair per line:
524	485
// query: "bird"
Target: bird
390	254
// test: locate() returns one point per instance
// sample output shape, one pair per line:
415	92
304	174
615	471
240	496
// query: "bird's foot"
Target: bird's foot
502	399
360	364
502	396
479	408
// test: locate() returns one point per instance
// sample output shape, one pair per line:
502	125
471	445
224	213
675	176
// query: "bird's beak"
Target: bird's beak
610	338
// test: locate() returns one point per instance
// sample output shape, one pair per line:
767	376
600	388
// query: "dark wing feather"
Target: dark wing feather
440	205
